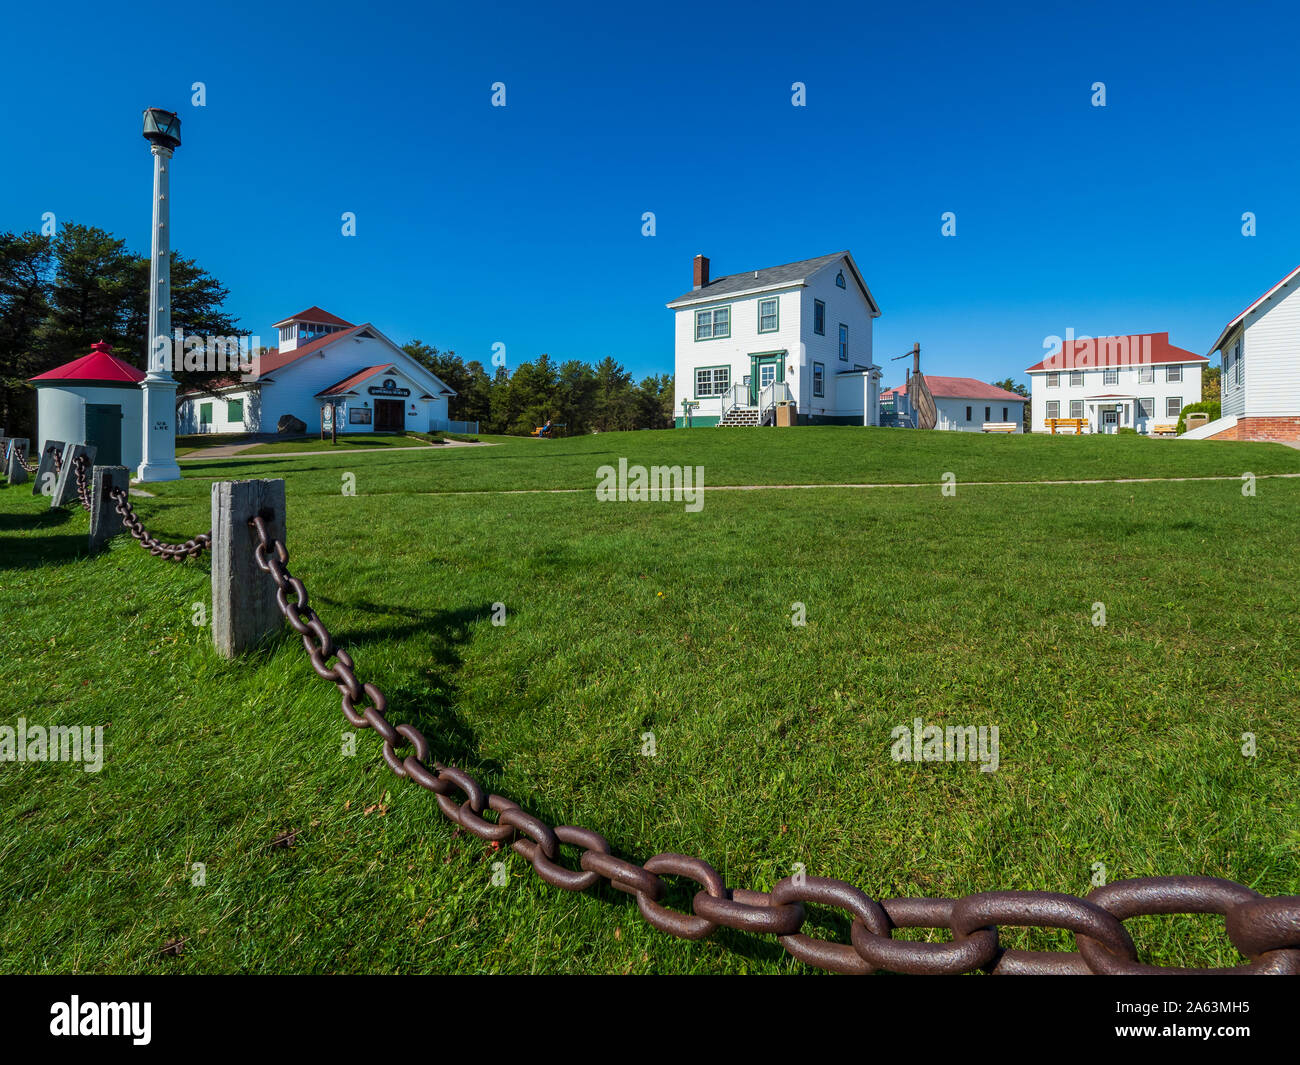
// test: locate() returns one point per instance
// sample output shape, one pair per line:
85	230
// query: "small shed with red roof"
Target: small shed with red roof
961	403
95	399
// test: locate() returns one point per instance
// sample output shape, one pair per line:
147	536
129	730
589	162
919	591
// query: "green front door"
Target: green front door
764	369
104	430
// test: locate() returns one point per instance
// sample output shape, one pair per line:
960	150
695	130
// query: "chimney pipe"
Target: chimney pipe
701	271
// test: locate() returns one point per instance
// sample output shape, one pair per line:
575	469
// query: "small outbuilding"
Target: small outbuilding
95	399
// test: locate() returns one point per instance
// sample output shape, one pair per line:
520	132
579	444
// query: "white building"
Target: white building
1260	352
1138	381
95	399
797	333
961	403
371	383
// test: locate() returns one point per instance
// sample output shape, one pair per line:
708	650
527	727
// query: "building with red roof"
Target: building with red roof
1139	381
961	403
96	399
366	381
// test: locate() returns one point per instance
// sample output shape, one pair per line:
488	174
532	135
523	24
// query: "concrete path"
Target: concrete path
225	451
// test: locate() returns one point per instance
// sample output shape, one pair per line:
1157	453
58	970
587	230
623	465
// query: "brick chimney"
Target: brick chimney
701	271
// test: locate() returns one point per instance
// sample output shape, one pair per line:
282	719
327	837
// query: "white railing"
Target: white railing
736	396
774	393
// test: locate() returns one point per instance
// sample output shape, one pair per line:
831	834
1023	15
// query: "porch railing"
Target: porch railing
772	394
736	396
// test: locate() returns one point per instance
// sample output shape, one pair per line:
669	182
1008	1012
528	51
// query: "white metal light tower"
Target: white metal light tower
158	455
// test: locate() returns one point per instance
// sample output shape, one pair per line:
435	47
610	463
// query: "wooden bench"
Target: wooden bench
999	427
1166	429
1077	424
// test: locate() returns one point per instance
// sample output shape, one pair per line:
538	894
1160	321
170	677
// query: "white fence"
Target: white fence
443	425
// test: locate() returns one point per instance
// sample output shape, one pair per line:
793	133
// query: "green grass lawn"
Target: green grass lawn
1119	744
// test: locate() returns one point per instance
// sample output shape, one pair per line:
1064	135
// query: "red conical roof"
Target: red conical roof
100	366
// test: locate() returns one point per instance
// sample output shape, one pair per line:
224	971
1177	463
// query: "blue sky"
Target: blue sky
522	224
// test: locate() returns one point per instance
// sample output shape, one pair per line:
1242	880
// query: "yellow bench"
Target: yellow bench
1077	424
999	427
1167	429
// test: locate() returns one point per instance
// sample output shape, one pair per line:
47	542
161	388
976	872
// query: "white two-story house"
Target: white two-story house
1139	382
1260	351
797	334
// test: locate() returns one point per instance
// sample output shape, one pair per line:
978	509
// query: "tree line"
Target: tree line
59	293
573	394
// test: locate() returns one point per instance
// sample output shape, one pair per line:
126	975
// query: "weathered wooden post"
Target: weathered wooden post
45	475
65	488
105	521
17	452
244	611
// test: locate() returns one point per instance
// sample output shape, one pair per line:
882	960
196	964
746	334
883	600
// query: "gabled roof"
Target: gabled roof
968	388
1113	353
774	277
349	383
312	314
275	358
100	366
1253	307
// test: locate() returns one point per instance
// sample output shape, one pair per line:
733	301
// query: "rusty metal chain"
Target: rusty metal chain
30	467
172	552
57	455
79	472
1264	930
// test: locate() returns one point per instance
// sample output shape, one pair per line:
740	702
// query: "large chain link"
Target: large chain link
1264	930
191	548
79	472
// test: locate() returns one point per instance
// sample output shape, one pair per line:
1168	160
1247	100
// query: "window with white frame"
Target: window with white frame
819	379
1110	377
1076	378
1236	363
767	315
1173	373
712	380
1173	406
1076	408
1053	408
1146	375
1053	380
844	342
713	324
1147	407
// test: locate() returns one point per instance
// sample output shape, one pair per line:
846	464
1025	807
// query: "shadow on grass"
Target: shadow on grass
28	552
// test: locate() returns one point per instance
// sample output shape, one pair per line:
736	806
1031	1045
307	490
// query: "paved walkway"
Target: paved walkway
225	451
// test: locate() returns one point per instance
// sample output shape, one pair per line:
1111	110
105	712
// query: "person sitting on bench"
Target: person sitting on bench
545	430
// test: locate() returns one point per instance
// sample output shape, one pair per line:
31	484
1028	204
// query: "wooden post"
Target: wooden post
17	471
105	521
65	489
243	596
44	481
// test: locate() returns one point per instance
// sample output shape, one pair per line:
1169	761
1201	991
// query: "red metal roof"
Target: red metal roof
275	358
1097	353
350	382
313	314
968	388
100	366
